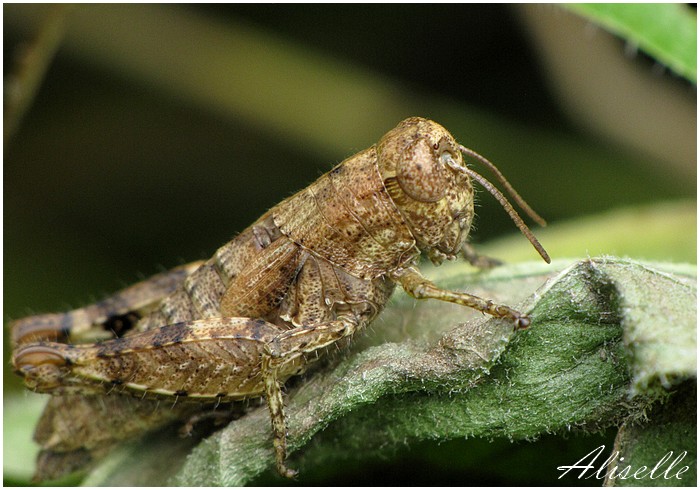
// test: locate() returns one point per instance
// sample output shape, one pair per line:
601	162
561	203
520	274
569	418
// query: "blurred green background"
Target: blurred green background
158	132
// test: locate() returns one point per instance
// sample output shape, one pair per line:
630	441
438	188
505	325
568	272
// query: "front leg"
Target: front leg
415	284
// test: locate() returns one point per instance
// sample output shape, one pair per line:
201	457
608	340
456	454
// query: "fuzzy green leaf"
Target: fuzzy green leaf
569	371
665	440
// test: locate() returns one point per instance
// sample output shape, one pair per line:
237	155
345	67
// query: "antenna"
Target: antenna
513	193
504	201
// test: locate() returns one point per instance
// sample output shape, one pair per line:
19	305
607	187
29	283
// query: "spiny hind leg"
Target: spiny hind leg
275	404
415	284
108	318
285	349
209	360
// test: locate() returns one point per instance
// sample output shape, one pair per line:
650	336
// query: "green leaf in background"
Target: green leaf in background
666	31
662	231
20	415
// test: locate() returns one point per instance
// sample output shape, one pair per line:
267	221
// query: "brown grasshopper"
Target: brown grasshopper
309	274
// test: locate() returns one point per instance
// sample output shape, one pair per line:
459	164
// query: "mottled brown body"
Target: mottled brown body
311	272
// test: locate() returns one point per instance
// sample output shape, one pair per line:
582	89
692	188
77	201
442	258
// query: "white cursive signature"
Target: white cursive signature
615	468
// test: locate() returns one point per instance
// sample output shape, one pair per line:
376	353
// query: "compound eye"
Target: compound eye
421	174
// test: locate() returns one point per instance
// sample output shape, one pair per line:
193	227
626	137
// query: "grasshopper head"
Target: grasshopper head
424	172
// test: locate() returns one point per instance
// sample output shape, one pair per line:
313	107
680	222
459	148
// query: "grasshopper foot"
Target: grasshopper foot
522	322
285	471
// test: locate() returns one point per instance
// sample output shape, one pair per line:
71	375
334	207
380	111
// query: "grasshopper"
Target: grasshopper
311	273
